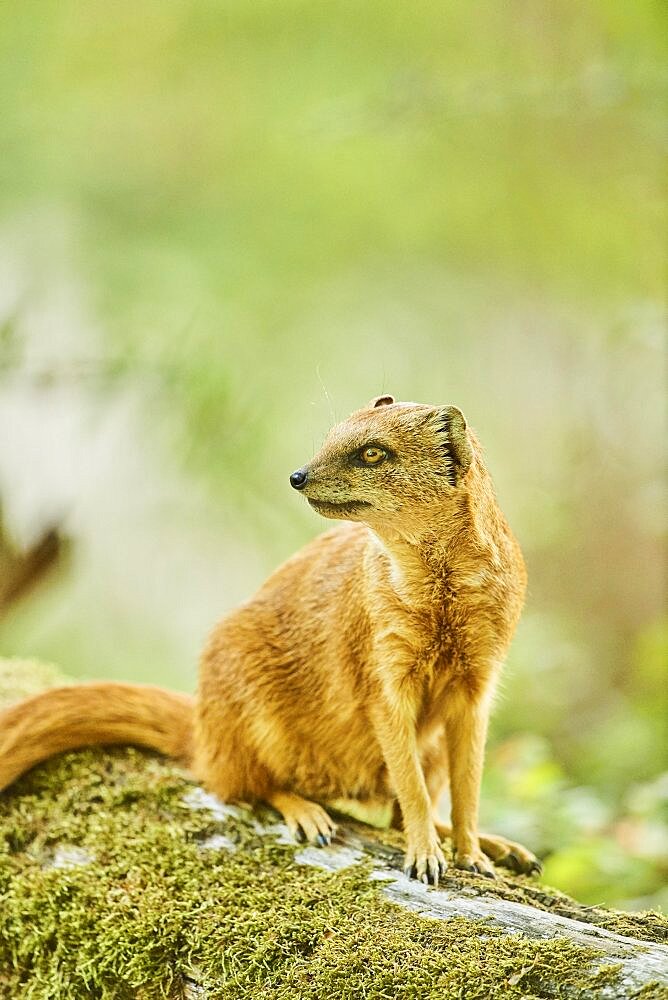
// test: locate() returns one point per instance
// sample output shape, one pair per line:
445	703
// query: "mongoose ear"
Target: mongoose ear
457	446
380	401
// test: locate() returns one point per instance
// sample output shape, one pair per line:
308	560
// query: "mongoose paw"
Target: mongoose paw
502	852
426	864
525	864
305	820
509	854
312	824
475	862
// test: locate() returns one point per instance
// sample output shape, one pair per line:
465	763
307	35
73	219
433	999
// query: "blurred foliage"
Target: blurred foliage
224	225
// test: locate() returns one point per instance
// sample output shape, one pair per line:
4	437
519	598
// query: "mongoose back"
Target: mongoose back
364	668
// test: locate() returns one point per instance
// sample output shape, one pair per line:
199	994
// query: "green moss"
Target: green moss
648	925
108	890
151	904
644	926
651	991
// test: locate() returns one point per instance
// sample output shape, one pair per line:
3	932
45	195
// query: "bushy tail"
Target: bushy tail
79	715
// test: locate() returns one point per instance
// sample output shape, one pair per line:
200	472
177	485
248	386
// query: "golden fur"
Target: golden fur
365	666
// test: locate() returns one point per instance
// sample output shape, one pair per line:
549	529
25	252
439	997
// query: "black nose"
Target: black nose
298	479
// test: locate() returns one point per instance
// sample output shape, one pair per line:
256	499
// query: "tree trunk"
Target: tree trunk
119	877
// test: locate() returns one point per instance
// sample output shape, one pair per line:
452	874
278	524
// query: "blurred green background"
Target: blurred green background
225	224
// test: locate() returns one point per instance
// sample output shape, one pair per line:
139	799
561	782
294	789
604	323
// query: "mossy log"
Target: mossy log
121	878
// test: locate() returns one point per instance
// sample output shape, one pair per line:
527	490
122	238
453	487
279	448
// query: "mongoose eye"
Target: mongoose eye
372	456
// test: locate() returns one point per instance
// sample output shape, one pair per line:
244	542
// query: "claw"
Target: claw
514	862
322	841
300	836
434	872
535	866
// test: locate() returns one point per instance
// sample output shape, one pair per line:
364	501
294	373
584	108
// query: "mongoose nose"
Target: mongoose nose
298	479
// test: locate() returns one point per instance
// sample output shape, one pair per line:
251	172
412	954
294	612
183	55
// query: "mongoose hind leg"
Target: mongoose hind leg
305	820
502	852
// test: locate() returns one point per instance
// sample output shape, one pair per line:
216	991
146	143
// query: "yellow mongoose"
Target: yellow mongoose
365	666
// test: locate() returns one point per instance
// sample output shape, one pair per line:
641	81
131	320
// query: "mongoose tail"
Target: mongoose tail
79	715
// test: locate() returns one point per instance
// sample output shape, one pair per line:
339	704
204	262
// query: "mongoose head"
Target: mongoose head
389	462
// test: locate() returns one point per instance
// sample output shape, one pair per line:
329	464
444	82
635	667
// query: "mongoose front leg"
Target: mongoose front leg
396	734
466	729
502	851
